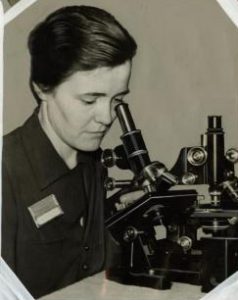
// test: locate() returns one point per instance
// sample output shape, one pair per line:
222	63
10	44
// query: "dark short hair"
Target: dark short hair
76	38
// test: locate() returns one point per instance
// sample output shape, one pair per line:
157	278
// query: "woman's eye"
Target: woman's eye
88	101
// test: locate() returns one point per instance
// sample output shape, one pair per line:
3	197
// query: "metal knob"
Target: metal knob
232	155
197	156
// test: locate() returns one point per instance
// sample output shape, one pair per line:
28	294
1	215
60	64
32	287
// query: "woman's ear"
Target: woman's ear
39	91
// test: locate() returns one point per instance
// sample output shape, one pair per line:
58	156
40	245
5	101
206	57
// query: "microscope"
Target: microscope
171	233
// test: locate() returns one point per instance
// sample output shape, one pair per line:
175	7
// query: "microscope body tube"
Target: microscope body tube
132	139
215	149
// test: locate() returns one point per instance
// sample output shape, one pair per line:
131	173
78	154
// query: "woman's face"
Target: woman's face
81	109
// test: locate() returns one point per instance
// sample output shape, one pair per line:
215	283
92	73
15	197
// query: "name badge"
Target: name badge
45	210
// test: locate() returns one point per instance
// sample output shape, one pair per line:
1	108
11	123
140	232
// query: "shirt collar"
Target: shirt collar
46	163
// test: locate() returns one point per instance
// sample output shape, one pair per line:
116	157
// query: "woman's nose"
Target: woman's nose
105	113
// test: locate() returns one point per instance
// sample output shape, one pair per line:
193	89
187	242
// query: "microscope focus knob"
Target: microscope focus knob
197	156
108	158
131	233
110	184
232	155
185	242
189	178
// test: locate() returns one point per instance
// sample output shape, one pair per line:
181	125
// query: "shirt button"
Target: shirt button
85	267
86	248
81	221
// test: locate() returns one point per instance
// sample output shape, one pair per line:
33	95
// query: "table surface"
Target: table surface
97	287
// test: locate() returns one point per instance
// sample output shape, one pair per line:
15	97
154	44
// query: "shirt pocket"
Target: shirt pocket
50	232
67	226
60	230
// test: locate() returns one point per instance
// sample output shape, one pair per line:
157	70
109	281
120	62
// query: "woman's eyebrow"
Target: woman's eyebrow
96	94
93	94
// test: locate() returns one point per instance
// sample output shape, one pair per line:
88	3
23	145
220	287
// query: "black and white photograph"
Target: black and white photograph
119	150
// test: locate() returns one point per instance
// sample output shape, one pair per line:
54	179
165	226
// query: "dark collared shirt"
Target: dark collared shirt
66	248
